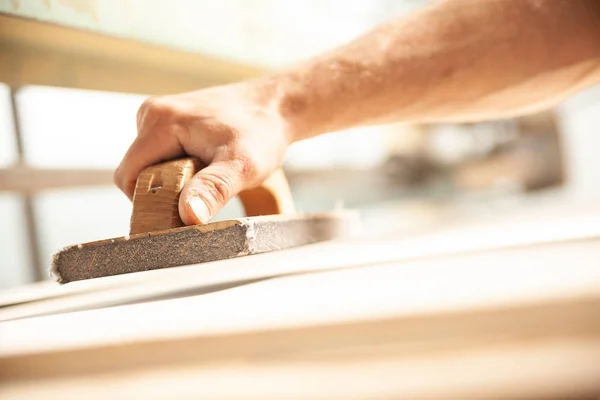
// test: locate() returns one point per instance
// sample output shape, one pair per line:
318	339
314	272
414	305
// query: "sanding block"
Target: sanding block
159	239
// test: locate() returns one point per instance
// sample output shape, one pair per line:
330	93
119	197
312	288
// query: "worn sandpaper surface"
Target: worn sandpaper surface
198	244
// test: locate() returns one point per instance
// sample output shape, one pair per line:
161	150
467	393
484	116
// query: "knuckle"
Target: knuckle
153	108
151	102
248	167
242	161
144	107
221	188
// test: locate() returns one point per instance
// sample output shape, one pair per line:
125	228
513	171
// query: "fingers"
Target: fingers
146	150
154	143
208	191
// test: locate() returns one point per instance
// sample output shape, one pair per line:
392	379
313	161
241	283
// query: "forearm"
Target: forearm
456	60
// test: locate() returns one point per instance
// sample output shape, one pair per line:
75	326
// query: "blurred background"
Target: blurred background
74	73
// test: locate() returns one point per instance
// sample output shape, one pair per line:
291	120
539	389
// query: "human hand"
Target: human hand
237	130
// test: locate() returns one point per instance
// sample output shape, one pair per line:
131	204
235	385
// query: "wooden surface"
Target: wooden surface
379	291
508	310
38	53
545	370
550	226
519	322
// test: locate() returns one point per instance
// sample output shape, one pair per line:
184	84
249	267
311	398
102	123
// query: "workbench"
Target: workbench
503	309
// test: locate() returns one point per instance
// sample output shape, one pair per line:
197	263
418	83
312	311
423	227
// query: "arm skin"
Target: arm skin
456	60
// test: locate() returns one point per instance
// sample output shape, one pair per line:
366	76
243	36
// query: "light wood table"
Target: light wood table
505	311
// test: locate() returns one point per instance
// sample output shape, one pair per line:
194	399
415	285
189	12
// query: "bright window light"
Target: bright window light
64	128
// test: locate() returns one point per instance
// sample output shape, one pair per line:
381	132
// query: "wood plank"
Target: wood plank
193	244
39	53
174	282
529	329
505	279
418	333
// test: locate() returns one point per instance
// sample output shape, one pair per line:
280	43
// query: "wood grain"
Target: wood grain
156	196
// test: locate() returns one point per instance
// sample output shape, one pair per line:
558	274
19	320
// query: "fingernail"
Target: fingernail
199	209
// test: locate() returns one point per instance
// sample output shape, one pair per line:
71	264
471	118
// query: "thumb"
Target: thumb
208	191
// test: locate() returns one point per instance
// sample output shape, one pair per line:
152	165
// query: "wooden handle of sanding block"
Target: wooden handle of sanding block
156	196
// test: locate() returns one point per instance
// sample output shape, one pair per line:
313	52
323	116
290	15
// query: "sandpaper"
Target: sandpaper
199	244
